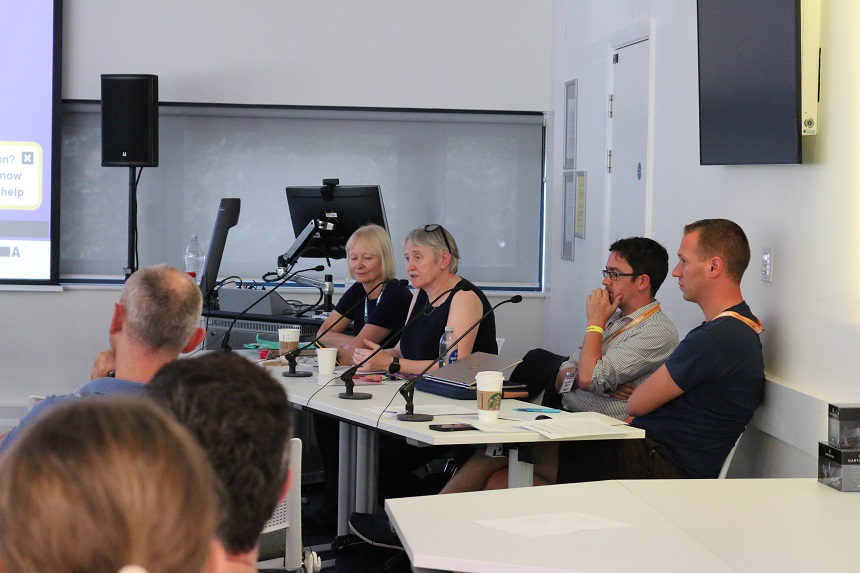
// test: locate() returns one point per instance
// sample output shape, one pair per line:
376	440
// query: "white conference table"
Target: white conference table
707	526
360	421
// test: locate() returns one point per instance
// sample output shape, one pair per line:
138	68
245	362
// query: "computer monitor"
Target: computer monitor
227	217
344	207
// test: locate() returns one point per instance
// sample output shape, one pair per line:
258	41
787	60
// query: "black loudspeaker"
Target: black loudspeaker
129	120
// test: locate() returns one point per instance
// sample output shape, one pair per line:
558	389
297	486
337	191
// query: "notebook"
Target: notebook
462	372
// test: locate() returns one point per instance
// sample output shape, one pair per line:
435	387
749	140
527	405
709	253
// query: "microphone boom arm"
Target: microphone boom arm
288	259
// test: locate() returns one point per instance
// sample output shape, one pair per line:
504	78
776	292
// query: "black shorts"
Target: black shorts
595	460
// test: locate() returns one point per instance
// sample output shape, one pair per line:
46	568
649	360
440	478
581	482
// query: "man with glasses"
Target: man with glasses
627	336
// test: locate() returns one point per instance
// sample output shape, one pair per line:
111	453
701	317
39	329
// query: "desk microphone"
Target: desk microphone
225	342
347	376
291	355
407	390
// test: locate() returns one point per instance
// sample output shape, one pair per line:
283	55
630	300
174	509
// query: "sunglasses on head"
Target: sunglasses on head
434	227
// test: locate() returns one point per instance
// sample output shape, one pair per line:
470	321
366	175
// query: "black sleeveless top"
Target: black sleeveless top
420	341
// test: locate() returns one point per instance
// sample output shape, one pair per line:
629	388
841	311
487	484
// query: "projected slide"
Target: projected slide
26	130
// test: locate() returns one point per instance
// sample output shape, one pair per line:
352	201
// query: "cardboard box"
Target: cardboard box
843	425
839	468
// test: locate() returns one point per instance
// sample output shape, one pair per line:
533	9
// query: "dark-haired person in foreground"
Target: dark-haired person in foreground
241	417
695	406
627	336
154	321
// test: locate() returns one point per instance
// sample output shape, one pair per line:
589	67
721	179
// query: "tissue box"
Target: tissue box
843	426
839	468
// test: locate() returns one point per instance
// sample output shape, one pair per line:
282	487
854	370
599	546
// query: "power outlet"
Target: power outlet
767	264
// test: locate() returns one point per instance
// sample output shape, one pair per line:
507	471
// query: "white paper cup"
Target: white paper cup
327	360
288	338
489	386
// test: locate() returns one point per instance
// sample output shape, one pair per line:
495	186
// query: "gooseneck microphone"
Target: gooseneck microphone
348	375
295	352
407	390
225	341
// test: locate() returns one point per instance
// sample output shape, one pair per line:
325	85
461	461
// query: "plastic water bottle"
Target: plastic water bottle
448	357
194	258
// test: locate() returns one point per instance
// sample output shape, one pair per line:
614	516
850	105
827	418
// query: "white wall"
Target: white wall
808	213
480	54
49	339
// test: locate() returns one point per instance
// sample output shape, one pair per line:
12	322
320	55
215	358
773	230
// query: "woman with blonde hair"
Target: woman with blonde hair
107	485
376	307
370	260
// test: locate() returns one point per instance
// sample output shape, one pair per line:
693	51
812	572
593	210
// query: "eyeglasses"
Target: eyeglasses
435	227
615	275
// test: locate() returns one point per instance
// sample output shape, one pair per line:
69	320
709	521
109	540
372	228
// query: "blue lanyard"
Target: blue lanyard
378	300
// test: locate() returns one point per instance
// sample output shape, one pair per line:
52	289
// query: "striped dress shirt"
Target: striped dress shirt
631	356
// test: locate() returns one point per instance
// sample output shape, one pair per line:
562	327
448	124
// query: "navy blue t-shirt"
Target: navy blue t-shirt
720	368
388	310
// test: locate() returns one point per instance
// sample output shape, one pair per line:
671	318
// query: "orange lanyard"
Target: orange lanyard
756	324
639	319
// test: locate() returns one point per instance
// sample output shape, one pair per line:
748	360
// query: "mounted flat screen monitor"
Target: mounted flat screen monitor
29	141
346	207
749	82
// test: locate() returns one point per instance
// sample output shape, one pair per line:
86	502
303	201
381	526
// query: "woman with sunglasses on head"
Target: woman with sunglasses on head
370	261
442	298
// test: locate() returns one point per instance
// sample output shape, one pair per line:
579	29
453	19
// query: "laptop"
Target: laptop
462	372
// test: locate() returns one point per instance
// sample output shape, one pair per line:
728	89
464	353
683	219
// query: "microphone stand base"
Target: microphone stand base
291	371
355	396
415	417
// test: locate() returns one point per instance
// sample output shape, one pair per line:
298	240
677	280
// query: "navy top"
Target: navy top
420	341
388	310
720	368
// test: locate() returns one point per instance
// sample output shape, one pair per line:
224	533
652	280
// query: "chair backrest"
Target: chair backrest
728	461
288	513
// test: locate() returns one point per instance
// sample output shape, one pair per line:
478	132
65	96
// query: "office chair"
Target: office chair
288	516
728	461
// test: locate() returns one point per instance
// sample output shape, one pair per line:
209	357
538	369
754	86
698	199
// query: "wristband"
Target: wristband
593	328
